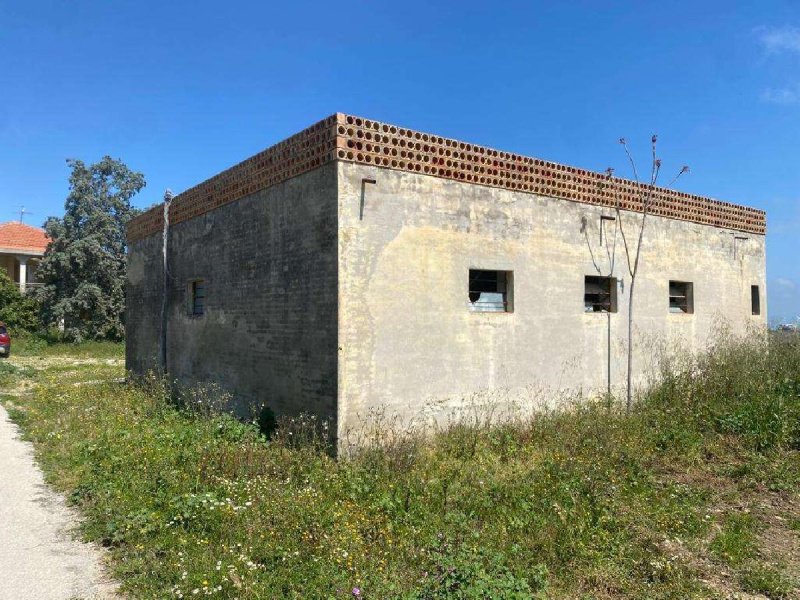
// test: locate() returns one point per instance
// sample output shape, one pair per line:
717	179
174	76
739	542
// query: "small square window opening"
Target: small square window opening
755	300
490	291
681	297
600	294
197	305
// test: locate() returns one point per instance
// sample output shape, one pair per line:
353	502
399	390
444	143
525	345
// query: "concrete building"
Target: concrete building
359	267
21	248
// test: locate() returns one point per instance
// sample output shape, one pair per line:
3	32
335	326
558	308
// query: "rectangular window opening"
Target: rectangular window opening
197	305
755	300
681	297
490	291
600	294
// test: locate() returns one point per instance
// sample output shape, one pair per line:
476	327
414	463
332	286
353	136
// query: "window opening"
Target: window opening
198	304
681	297
600	294
490	291
755	300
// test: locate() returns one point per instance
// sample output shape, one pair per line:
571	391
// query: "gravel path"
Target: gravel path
39	558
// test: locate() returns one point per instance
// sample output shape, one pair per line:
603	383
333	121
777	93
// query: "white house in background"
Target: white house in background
21	248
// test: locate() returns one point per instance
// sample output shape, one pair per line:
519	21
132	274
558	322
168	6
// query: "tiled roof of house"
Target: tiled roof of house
16	236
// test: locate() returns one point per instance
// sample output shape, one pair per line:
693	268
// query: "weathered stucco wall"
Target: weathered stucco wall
322	299
143	304
268	262
409	346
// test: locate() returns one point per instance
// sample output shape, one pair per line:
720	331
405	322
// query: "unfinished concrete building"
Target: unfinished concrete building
359	266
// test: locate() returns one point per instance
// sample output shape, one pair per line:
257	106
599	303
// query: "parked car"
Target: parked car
5	340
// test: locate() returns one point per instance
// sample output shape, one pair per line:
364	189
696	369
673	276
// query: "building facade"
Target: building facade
361	269
21	248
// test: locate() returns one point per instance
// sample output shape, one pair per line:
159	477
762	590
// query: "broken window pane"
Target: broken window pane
490	291
681	297
600	294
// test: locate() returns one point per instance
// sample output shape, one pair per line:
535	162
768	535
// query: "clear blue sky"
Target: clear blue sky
181	90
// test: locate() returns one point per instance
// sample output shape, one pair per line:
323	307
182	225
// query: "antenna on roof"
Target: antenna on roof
22	212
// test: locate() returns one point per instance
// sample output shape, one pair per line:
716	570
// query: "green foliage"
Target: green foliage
18	311
470	576
769	581
83	270
746	390
10	373
736	541
590	502
52	343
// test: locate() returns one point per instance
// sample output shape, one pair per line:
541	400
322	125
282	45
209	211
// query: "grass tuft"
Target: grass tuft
766	580
736	542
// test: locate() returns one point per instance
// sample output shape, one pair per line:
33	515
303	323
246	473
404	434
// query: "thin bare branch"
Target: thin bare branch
656	162
684	169
656	168
645	193
610	173
624	239
630	159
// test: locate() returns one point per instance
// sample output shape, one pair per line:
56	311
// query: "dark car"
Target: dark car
5	340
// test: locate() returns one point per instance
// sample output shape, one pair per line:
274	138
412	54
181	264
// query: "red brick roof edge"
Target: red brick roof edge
369	142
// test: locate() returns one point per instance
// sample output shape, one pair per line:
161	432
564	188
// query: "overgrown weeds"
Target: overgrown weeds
52	344
592	502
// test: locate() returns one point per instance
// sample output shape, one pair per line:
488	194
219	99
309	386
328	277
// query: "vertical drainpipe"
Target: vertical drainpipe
603	219
608	355
165	282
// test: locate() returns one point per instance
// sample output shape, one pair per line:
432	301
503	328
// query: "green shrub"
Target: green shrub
736	541
744	388
17	310
10	373
762	579
470	576
48	343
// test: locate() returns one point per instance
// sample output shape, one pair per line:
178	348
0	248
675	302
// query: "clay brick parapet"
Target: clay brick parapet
369	142
304	151
365	141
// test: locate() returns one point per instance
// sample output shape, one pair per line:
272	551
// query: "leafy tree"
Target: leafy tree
17	310
83	269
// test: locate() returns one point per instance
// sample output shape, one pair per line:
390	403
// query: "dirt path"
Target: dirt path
39	558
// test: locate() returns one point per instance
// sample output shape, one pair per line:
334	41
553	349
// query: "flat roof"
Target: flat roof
373	143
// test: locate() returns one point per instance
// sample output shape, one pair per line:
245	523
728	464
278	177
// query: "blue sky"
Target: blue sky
182	90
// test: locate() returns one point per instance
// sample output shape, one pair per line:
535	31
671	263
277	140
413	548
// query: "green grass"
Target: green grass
587	503
42	346
9	373
766	580
736	542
